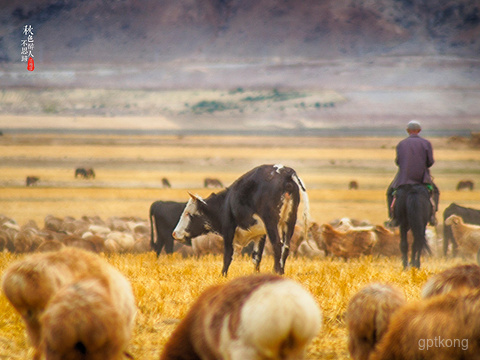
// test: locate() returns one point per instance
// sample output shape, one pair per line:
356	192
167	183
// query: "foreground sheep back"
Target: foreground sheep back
368	316
30	284
88	320
253	317
461	278
445	327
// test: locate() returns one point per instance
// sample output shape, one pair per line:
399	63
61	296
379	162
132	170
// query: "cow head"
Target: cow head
192	223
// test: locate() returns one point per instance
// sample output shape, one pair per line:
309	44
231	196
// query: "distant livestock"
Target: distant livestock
166	183
460	278
263	201
212	183
353	185
85	173
468	215
31	180
465	184
56	292
254	317
368	316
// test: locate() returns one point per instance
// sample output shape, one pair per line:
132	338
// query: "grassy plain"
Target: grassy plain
129	170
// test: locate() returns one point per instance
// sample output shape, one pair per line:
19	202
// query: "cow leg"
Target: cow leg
258	252
286	237
228	250
274	237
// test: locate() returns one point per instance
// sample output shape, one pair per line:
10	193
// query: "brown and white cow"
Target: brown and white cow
253	317
264	201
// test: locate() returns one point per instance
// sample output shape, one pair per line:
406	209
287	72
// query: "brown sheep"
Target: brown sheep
388	242
467	236
27	240
53	223
29	284
90	319
208	244
461	278
252	317
444	327
348	244
368	316
50	245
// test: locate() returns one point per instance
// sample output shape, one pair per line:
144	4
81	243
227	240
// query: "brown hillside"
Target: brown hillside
150	31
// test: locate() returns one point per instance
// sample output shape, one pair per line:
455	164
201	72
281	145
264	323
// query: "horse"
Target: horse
413	209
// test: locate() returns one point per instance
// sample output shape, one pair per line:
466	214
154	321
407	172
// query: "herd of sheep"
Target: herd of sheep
344	238
76	305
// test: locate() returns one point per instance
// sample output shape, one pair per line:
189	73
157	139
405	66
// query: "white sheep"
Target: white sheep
252	317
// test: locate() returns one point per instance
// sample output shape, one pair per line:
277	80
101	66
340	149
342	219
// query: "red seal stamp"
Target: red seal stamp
30	64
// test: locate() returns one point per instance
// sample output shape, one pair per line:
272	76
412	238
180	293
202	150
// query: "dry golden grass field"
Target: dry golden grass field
128	179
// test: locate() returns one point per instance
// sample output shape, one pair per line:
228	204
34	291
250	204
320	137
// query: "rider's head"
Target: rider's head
414	127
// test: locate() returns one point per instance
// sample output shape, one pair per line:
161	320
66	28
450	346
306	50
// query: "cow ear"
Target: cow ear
196	197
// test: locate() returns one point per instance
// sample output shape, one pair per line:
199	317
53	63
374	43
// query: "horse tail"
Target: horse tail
418	211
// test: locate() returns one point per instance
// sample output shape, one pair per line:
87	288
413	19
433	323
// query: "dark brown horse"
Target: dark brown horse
413	209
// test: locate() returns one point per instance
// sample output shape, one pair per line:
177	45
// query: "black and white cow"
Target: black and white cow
164	215
264	201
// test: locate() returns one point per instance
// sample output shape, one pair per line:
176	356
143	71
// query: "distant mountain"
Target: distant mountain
154	31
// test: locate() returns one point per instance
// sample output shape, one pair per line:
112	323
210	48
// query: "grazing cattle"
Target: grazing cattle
31	180
212	183
164	215
413	209
85	173
468	215
460	278
465	184
166	183
55	292
254	317
368	315
263	201
353	185
90	173
467	236
80	172
348	244
440	327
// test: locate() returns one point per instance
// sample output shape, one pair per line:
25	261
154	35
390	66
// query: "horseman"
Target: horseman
414	157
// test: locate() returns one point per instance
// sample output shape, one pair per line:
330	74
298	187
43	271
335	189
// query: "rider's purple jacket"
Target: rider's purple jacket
414	158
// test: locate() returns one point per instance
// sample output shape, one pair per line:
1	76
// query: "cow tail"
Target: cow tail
306	203
153	231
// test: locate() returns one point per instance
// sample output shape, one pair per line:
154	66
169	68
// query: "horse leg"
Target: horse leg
404	245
